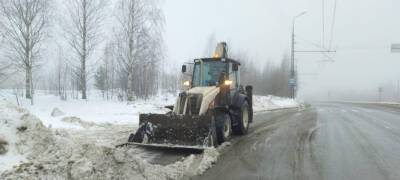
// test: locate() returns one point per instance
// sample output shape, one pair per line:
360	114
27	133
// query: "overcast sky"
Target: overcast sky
362	34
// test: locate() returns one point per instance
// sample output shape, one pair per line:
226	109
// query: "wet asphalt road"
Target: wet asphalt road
325	141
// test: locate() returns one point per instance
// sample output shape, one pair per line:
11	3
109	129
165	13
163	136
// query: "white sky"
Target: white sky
362	35
363	32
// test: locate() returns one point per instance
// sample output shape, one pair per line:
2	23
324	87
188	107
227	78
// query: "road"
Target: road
328	141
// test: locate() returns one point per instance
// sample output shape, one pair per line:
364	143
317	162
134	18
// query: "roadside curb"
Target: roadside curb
385	104
276	109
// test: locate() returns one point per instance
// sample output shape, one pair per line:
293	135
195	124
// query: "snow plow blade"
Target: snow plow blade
174	131
168	146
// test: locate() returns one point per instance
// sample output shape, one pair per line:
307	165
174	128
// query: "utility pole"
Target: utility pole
293	80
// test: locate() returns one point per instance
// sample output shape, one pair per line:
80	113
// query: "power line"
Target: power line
311	42
333	24
323	23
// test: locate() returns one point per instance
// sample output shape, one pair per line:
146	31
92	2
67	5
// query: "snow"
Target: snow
373	102
81	114
17	128
42	153
78	141
8	131
268	103
96	109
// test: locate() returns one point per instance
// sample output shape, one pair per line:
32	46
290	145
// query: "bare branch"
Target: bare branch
24	25
85	21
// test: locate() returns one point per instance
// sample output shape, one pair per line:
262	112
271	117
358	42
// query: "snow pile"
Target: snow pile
266	103
98	162
49	154
209	158
77	121
3	146
56	112
25	135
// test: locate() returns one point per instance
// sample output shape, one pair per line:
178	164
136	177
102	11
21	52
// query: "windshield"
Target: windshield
210	74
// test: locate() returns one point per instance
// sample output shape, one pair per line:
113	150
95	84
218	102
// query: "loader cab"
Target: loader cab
215	72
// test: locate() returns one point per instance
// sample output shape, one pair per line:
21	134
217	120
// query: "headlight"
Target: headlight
228	82
186	83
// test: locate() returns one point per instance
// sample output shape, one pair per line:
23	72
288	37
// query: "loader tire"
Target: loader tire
244	120
223	127
212	137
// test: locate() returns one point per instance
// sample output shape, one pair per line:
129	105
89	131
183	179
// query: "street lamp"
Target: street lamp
293	80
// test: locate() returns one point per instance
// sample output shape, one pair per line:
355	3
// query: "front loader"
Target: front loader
213	106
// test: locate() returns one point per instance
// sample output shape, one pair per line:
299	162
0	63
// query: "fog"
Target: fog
360	31
362	34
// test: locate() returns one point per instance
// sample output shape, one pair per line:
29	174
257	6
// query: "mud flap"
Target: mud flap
175	130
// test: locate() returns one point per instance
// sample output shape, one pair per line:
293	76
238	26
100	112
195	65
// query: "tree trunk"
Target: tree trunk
32	88
28	76
83	79
130	84
84	50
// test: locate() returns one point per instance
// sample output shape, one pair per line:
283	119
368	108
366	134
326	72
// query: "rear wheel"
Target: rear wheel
244	118
223	127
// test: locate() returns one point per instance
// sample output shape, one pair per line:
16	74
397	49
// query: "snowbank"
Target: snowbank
42	153
25	135
95	110
267	103
84	114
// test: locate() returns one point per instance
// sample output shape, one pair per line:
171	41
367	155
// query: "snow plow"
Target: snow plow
213	106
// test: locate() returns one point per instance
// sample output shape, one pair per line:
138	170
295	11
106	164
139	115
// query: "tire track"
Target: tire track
367	147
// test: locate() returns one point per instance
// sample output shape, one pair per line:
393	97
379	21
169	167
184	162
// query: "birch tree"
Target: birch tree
106	72
85	20
139	44
61	74
25	24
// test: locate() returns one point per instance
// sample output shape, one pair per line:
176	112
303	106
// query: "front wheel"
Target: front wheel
223	127
244	119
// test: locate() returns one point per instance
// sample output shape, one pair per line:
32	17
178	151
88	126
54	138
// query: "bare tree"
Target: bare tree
139	44
267	79
86	17
110	69
61	74
24	23
105	75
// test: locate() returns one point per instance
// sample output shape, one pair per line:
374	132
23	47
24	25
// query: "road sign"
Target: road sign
292	82
395	48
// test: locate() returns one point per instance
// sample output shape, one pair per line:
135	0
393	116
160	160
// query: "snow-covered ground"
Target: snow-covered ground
374	102
43	153
77	114
95	110
268	103
78	140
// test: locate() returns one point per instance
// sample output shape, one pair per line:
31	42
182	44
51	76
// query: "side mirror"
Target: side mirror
235	67
183	68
